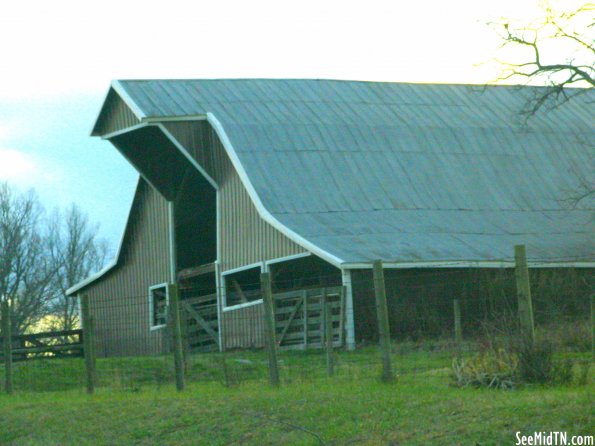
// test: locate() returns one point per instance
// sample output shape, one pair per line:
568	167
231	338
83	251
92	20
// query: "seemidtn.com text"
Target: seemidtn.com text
553	438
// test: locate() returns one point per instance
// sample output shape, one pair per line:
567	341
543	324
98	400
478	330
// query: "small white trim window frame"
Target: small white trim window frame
158	306
226	307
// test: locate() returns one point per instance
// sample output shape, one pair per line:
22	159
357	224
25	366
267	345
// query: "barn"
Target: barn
313	180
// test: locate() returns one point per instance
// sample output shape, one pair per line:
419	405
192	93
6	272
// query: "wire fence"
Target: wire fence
433	315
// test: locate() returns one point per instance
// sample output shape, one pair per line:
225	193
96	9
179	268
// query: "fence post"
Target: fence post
269	327
88	343
383	326
328	336
458	328
174	306
593	326
7	347
524	293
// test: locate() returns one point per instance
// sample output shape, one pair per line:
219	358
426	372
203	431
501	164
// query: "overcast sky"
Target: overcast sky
58	58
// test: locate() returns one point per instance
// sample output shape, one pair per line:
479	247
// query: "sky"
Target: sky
58	58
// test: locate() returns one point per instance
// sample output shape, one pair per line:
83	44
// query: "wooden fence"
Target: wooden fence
299	320
51	344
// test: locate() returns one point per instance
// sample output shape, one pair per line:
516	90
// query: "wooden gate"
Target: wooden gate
200	328
299	317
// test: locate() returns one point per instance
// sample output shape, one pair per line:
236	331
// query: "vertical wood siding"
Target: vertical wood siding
245	238
244	327
115	115
119	301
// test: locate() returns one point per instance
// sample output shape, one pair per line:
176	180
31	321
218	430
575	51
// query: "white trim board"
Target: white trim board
244	305
467	264
244	268
119	88
287	258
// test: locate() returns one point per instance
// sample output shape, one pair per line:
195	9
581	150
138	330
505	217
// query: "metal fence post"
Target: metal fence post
383	325
269	328
174	303
88	344
7	346
523	287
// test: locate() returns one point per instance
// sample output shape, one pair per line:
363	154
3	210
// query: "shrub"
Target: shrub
492	368
523	363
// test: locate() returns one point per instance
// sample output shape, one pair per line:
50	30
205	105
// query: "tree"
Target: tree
77	252
40	258
26	273
541	42
540	45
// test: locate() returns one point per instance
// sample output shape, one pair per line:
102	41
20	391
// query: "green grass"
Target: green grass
136	404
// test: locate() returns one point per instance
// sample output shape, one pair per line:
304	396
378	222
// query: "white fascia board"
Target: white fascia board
124	130
287	258
118	88
181	118
92	132
116	259
264	213
468	264
92	278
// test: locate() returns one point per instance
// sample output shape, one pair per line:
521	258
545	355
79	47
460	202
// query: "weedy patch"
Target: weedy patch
494	369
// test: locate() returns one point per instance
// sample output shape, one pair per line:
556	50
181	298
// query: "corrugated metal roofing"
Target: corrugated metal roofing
402	172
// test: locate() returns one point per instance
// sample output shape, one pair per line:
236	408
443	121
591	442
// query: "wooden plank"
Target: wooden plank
49	334
7	346
330	291
49	348
525	307
328	335
195	271
383	324
305	318
289	321
200	300
313	308
204	324
271	344
239	290
88	326
174	302
322	306
342	314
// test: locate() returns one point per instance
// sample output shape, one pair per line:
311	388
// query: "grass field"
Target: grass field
136	404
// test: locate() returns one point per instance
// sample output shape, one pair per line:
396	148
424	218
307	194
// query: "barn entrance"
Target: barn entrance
195	219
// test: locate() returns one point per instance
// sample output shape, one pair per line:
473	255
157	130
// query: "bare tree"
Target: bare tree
77	252
568	32
41	258
571	32
26	272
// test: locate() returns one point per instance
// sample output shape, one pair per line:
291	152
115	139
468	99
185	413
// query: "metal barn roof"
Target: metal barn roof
401	172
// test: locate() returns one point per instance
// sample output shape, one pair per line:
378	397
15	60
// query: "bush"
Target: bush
570	336
520	363
535	361
492	368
